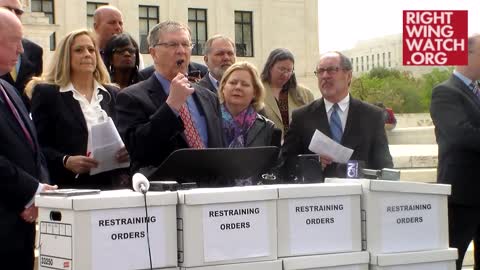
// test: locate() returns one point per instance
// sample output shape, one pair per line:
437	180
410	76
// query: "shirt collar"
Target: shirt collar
214	81
343	104
462	77
69	87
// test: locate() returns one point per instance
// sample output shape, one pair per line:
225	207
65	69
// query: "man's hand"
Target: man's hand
30	214
325	160
180	90
80	164
122	155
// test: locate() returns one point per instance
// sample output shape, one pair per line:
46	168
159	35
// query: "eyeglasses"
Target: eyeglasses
329	70
175	45
284	70
123	50
17	11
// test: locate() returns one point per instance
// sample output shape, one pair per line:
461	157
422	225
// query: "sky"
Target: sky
341	23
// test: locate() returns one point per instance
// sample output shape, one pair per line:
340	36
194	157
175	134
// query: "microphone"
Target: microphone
140	183
355	169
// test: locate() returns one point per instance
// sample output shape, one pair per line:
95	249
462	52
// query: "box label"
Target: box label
234	231
323	225
55	242
410	222
119	238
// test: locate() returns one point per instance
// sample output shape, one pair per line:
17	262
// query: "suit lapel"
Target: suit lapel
74	107
156	91
271	103
18	103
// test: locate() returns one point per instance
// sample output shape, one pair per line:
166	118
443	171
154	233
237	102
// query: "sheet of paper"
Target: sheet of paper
106	142
321	144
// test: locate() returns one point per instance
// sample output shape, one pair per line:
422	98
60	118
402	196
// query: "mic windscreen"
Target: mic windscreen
138	180
353	169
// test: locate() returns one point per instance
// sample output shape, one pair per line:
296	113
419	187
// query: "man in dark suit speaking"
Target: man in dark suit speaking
165	112
29	63
349	121
455	111
22	166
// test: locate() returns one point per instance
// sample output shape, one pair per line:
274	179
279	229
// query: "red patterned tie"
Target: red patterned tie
17	116
191	132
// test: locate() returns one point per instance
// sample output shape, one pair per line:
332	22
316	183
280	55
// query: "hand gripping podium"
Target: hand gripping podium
215	166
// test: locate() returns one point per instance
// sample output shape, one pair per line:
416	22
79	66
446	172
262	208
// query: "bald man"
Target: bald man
107	22
30	62
22	166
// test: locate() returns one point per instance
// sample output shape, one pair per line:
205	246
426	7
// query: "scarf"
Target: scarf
235	129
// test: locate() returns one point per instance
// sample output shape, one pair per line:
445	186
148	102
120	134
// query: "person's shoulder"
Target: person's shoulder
46	88
30	45
310	107
205	92
365	107
136	88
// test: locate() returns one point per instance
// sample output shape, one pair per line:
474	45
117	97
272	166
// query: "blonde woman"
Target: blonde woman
241	97
72	95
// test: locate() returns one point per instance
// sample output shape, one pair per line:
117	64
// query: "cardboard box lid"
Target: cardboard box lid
265	265
227	195
326	260
396	186
414	257
318	190
107	200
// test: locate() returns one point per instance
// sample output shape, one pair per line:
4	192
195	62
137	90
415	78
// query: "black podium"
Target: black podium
215	166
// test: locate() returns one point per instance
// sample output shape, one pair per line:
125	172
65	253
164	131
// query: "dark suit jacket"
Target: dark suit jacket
62	130
151	130
455	112
31	64
148	71
207	83
364	133
21	169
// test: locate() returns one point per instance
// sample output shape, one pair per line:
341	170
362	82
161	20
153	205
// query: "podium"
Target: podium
214	166
107	231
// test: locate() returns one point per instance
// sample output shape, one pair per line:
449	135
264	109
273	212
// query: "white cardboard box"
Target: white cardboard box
419	260
400	216
227	225
339	261
107	231
265	265
318	219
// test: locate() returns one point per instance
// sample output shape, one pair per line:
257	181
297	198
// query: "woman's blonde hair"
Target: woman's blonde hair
58	70
259	91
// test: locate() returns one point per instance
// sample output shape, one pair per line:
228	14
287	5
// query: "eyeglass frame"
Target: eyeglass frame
175	45
329	70
17	11
123	50
285	71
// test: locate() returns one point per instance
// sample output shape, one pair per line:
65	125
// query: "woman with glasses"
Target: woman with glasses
283	94
70	97
122	60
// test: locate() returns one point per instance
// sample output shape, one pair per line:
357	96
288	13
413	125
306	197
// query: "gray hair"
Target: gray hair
208	44
165	27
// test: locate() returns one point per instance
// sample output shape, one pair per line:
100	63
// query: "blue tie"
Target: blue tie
336	124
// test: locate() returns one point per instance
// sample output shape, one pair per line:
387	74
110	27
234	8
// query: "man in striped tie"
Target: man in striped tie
455	111
348	121
165	112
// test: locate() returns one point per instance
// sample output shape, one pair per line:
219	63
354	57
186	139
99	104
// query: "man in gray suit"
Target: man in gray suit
455	111
349	121
219	56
